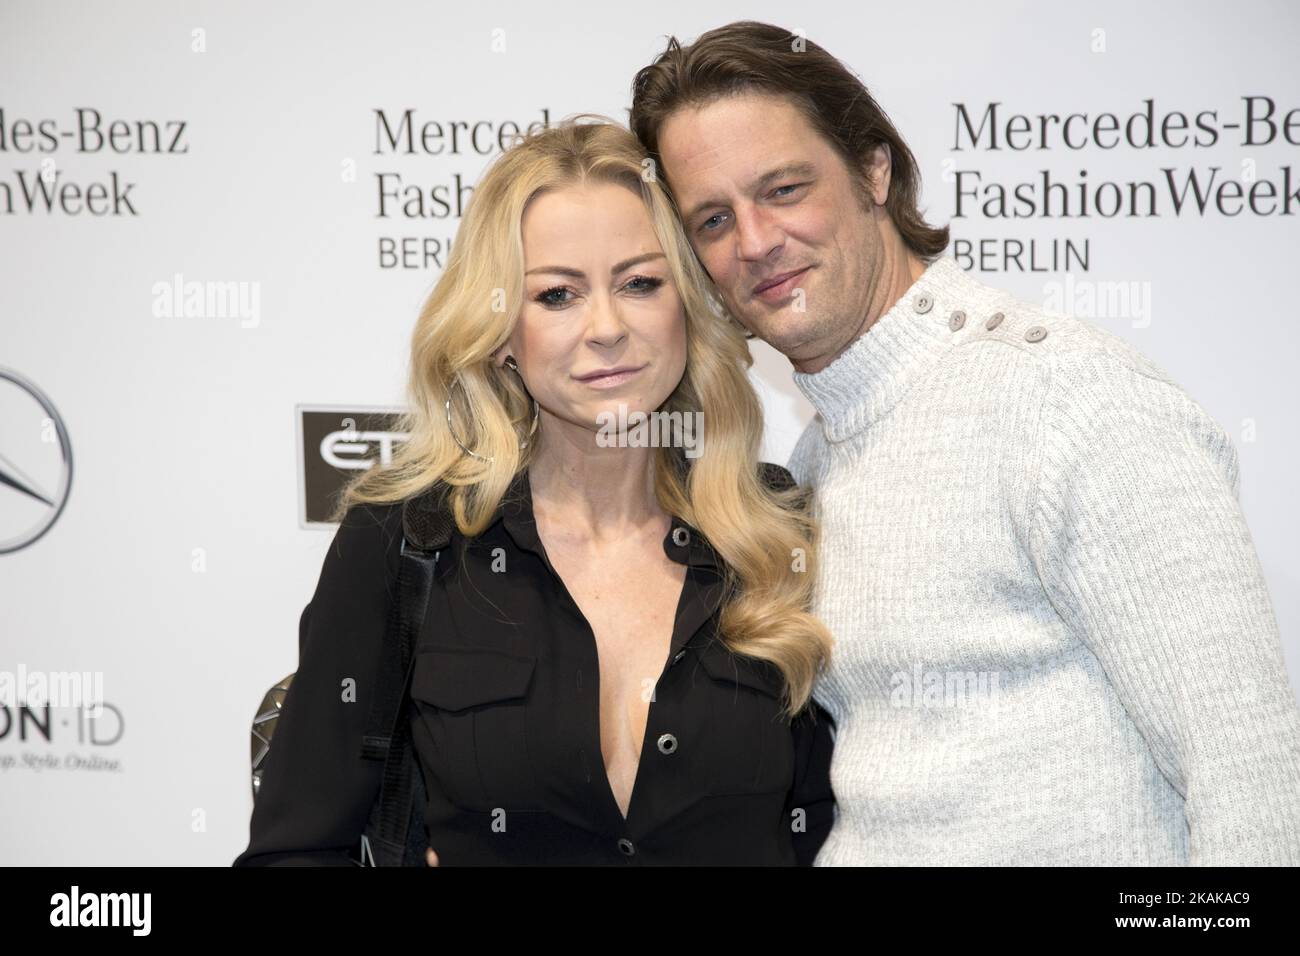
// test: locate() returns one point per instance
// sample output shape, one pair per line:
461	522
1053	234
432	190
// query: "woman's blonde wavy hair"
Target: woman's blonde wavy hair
765	538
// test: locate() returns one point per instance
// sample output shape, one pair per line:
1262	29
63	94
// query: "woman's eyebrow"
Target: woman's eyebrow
615	270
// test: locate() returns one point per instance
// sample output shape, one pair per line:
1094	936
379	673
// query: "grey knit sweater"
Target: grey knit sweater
1054	644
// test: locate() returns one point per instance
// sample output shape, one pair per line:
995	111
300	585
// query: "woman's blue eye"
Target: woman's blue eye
652	282
560	295
544	297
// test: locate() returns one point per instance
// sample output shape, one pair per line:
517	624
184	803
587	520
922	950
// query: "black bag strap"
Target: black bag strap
394	834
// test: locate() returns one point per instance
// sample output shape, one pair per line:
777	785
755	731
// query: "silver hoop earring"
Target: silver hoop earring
452	429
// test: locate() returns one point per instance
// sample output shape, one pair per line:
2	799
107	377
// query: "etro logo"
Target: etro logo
334	443
35	462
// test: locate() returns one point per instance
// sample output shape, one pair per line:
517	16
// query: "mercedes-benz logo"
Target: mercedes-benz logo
35	462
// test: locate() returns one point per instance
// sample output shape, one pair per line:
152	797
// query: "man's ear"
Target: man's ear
879	165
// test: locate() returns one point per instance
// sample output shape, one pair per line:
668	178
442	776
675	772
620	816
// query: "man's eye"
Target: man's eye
705	225
790	186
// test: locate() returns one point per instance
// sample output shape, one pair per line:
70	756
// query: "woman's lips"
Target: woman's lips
613	379
778	292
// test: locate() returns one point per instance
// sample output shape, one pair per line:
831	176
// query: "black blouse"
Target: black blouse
505	719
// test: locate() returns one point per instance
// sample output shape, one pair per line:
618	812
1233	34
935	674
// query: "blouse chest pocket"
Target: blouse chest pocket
473	702
751	745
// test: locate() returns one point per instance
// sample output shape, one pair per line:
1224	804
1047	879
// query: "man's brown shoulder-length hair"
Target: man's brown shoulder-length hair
750	56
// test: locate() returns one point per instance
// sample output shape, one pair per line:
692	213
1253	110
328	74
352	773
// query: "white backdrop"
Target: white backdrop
178	567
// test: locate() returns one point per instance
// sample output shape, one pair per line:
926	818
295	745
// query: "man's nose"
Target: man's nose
757	235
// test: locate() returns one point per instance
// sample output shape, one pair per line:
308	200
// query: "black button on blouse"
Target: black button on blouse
505	719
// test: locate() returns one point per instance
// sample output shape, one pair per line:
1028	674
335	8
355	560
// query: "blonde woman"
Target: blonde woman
617	661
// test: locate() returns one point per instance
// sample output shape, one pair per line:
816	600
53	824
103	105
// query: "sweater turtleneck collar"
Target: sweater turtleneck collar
866	380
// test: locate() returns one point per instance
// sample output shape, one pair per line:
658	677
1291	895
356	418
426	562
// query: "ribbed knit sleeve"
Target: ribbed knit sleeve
1141	546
